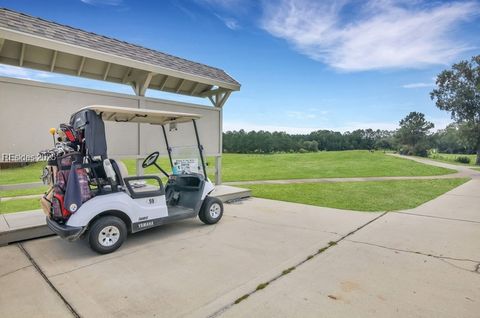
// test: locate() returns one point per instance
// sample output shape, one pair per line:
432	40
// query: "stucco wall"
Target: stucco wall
28	109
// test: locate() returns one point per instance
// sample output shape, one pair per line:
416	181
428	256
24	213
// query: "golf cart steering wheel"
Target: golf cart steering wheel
150	160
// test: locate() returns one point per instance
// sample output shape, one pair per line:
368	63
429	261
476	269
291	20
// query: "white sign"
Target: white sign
185	166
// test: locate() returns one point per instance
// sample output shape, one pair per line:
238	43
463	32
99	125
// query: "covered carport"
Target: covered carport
34	43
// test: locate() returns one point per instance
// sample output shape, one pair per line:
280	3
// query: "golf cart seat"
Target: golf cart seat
137	186
122	171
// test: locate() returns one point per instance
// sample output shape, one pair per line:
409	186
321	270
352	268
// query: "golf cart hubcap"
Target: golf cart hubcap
108	236
215	210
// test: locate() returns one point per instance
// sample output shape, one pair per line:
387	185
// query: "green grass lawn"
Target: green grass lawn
19	205
360	196
20	192
450	158
242	167
331	164
30	173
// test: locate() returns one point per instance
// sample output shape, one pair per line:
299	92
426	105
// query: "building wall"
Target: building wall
28	109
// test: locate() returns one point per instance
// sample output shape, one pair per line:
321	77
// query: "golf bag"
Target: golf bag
71	189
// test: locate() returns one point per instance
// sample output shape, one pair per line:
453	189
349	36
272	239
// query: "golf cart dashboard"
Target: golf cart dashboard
186	182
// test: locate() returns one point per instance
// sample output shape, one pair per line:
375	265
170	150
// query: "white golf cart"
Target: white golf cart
116	203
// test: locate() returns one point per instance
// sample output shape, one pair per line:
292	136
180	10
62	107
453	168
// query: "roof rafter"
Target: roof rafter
80	67
22	55
54	59
107	69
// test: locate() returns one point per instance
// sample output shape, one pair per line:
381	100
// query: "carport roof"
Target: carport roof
86	54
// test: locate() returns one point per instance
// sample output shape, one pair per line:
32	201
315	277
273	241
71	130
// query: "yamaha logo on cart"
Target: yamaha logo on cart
145	224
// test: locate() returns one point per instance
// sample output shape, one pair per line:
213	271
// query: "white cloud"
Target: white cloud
300	115
23	73
230	23
224	4
440	123
229	126
418	85
112	3
375	34
349	126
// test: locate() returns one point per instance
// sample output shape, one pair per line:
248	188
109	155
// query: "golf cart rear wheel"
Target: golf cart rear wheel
212	210
107	234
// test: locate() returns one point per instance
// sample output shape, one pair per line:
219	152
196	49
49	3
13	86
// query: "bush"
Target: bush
463	159
420	150
417	150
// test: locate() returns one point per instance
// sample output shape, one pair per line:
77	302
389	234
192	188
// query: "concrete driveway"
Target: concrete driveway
265	259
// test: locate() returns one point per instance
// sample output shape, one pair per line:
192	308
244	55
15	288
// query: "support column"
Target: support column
218	170
218	159
140	172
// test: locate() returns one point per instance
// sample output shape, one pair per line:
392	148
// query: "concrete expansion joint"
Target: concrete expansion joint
287	271
14	271
439	257
434	217
40	271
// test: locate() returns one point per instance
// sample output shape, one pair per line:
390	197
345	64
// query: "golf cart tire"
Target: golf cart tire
109	229
211	211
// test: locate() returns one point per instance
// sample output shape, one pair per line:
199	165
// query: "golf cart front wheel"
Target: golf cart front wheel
212	210
107	234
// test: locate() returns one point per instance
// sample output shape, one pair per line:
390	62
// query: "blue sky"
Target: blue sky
303	65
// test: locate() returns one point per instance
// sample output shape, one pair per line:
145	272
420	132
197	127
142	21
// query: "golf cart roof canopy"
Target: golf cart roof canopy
135	115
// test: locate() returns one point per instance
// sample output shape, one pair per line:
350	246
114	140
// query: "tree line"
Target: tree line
457	91
408	139
321	140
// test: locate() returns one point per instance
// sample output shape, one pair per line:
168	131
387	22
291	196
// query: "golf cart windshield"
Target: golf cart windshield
186	160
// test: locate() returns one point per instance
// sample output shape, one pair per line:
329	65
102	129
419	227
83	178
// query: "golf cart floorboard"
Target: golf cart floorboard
179	211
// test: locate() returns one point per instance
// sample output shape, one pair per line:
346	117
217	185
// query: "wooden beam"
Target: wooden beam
223	99
22	55
163	82
143	86
2	42
125	76
80	68
54	59
135	88
212	99
212	92
179	86
194	88
105	74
